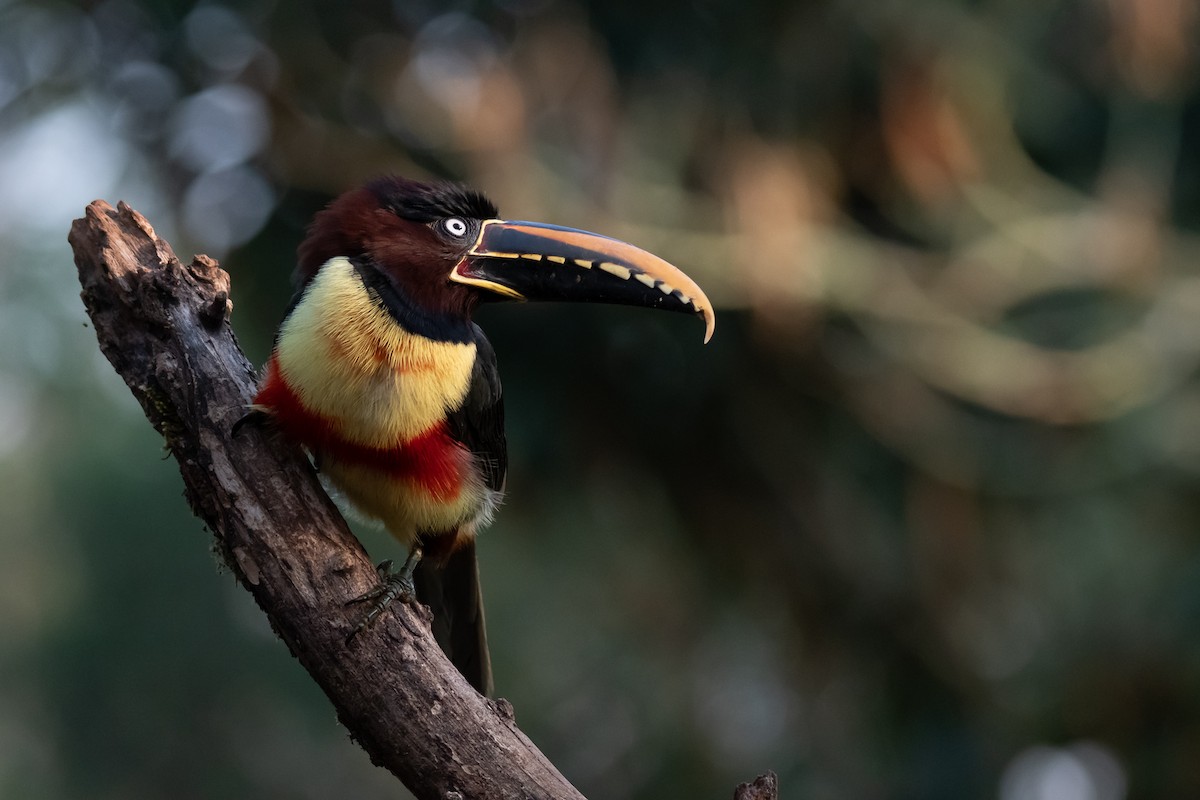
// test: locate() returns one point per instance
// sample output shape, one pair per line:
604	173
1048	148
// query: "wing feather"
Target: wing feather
451	588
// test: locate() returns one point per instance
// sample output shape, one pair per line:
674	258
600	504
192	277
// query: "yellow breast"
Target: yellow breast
348	360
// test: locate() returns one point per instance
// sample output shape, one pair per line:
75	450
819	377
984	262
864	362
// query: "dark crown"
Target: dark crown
426	202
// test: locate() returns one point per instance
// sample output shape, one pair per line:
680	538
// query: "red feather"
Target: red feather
433	460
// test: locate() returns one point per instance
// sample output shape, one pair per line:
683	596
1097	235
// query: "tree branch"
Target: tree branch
165	329
764	787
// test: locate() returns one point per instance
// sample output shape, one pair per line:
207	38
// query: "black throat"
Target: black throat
440	327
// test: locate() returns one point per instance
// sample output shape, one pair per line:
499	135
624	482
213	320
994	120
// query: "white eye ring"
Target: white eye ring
455	226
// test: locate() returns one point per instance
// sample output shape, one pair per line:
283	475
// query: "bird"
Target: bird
379	371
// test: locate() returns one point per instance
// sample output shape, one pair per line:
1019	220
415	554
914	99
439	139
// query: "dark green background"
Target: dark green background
920	522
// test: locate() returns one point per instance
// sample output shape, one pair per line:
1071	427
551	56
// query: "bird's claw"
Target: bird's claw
255	416
392	586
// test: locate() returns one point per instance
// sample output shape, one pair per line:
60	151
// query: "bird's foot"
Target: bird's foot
392	586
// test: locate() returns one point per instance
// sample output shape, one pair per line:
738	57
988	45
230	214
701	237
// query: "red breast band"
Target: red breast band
433	460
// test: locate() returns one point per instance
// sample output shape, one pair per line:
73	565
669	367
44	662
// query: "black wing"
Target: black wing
451	587
479	422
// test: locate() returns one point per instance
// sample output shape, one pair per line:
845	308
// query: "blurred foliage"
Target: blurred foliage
919	523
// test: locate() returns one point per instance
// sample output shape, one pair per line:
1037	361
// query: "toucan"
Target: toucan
380	374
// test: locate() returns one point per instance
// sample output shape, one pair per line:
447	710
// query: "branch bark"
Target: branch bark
165	328
764	787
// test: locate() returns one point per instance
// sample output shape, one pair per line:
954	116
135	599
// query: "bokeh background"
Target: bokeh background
922	521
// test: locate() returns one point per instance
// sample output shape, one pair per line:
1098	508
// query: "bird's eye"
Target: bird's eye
456	227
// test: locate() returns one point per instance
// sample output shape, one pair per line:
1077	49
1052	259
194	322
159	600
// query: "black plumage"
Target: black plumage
450	585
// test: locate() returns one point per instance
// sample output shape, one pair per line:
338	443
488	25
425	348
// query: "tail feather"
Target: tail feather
451	590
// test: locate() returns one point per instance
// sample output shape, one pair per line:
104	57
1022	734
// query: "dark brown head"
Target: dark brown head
407	230
441	248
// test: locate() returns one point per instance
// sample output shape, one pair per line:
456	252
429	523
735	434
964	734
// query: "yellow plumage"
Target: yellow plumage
349	361
380	386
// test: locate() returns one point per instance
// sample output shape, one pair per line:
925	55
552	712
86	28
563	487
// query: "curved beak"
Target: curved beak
532	261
